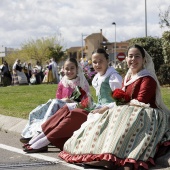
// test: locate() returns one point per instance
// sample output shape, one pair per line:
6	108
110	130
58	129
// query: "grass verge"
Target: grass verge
18	101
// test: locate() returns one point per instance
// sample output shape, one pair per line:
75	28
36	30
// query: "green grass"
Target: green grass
18	101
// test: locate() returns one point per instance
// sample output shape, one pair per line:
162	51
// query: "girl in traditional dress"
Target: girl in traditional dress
15	69
73	78
50	77
65	121
6	75
125	136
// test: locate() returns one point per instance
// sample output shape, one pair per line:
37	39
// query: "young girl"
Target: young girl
73	78
64	122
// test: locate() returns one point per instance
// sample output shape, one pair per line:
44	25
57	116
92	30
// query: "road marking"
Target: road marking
39	156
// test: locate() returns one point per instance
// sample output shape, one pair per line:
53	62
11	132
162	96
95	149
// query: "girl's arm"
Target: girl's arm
115	81
147	90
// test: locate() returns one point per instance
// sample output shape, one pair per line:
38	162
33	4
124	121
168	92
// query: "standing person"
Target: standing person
61	73
55	70
73	78
30	70
48	75
38	74
25	70
64	122
15	70
126	136
6	75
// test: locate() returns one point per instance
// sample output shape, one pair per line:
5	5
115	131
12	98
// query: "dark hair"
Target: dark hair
73	60
139	48
38	62
101	51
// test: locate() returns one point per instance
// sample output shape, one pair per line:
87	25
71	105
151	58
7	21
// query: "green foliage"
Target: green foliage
122	72
38	50
42	49
56	53
166	46
164	74
154	47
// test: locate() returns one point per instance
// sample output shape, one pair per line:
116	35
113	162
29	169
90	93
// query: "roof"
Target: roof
96	34
74	48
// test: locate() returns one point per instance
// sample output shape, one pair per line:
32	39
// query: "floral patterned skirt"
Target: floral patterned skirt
39	115
122	134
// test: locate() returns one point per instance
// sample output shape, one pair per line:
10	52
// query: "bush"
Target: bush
164	74
153	46
122	72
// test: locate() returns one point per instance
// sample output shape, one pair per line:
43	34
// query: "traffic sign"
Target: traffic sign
121	56
2	51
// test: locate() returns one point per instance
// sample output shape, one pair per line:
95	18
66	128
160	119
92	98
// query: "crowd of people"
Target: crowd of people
26	73
128	127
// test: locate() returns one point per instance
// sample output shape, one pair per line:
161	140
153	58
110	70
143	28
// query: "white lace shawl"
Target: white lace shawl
80	80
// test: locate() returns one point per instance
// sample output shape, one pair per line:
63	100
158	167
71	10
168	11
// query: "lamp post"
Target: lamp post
82	44
114	23
145	19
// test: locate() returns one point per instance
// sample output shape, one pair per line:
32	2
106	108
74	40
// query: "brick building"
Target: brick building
94	41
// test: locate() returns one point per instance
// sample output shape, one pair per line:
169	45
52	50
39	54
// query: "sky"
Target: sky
25	20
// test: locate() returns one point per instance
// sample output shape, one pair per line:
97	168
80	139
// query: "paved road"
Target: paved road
11	153
13	157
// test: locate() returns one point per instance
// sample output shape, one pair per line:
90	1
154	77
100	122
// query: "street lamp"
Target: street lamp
145	19
114	23
82	44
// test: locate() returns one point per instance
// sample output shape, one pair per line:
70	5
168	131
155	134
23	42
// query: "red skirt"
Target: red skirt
60	127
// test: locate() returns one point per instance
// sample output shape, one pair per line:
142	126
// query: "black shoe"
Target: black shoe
24	140
28	149
25	145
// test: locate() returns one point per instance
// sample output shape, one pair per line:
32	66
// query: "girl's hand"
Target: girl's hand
67	100
100	111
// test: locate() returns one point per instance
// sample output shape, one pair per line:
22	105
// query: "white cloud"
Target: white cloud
30	19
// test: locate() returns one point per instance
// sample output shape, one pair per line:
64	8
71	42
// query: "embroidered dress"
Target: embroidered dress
123	133
44	111
16	69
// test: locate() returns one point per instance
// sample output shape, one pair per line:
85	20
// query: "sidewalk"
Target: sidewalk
16	125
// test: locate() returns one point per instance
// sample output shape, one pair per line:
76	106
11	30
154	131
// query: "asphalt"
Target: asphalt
16	125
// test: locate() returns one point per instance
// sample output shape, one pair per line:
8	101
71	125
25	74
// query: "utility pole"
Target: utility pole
114	23
145	19
82	44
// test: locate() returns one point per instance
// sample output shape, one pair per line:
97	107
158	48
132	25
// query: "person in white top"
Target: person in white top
55	70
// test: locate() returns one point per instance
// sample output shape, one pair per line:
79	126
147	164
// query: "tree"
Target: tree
166	46
43	49
165	18
154	47
56	53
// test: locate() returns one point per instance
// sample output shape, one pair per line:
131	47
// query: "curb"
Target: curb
12	124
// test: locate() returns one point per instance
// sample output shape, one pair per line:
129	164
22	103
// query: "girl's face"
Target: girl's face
70	70
100	63
135	60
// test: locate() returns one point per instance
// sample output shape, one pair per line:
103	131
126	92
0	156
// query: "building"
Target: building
94	41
